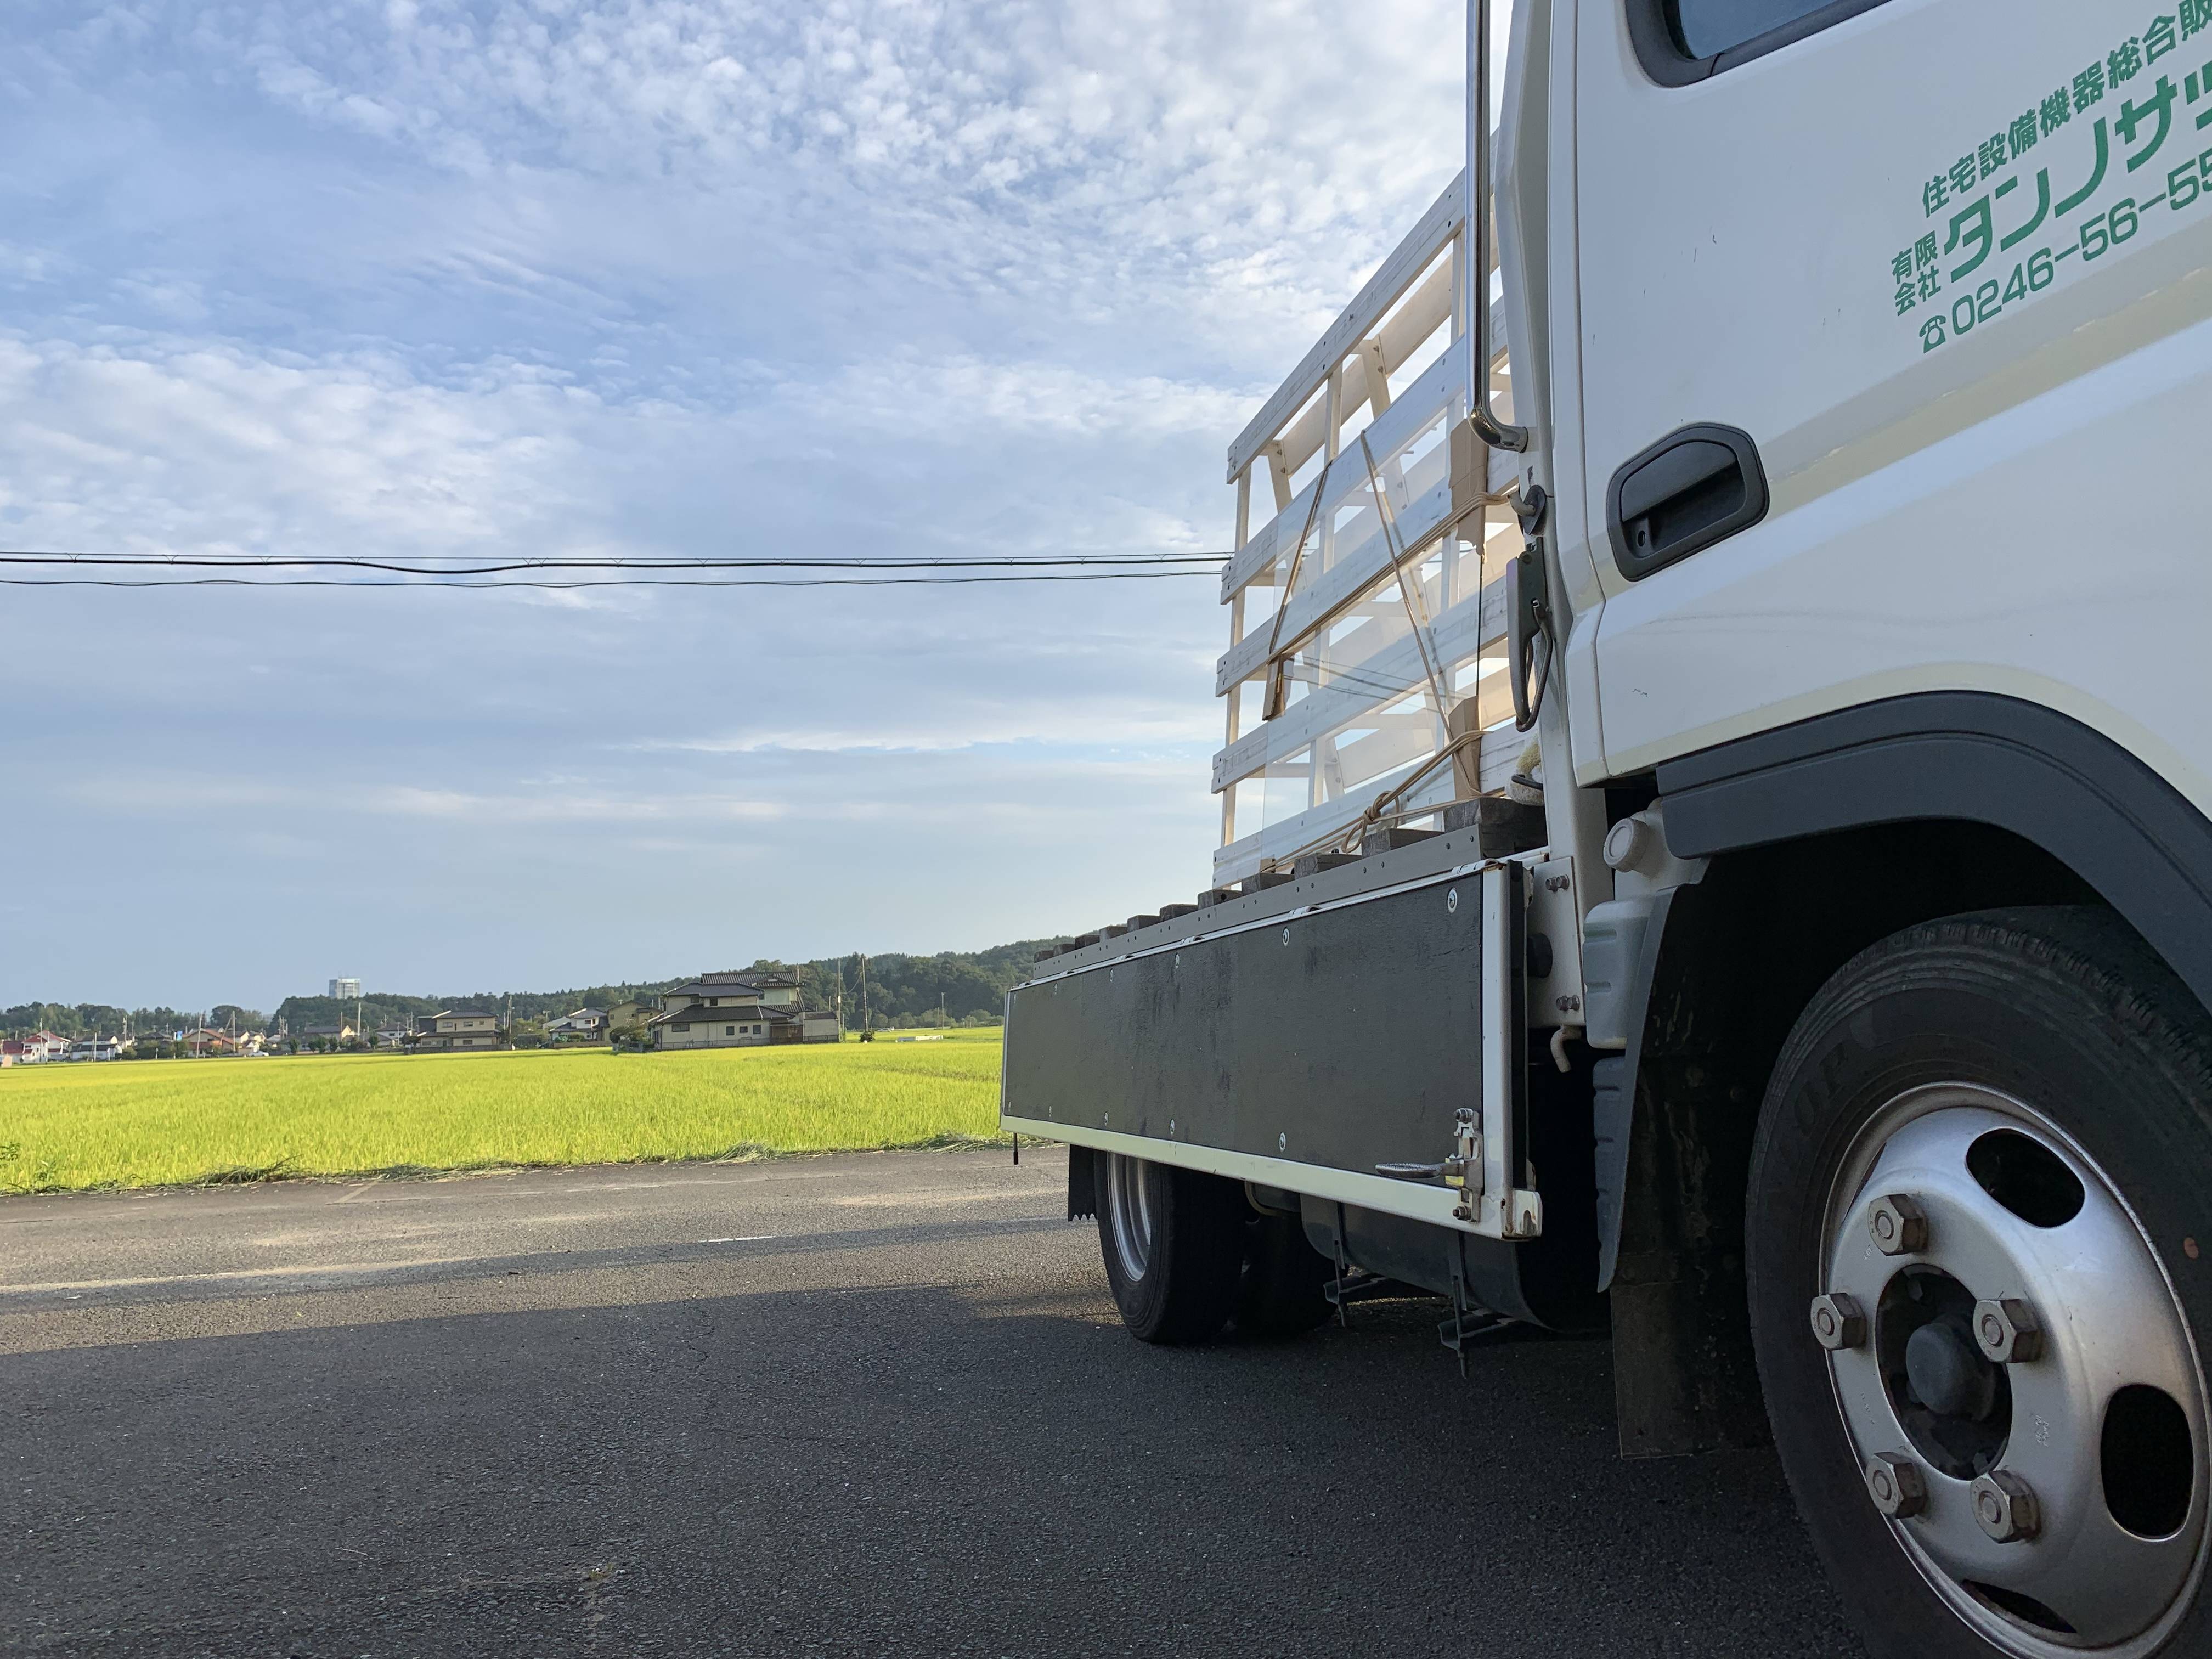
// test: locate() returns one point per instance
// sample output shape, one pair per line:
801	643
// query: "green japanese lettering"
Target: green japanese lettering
2159	104
2096	178
2042	208
1974	227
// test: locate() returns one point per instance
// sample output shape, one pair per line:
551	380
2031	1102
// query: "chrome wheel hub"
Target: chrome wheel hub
1129	1197
2022	1349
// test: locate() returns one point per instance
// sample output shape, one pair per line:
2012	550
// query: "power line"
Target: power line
442	570
427	565
626	581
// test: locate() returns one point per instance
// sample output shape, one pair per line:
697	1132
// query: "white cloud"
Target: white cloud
149	444
970	392
1094	725
527	277
1251	161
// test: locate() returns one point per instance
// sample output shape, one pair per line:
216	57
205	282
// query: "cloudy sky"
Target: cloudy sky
654	277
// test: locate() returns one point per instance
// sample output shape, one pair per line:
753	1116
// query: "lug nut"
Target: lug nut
1839	1322
1898	1487
2008	1332
2005	1507
1899	1224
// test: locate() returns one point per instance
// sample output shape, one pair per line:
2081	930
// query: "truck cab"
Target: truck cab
1717	831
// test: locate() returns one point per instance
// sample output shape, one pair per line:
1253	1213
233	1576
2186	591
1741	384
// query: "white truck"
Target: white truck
1717	796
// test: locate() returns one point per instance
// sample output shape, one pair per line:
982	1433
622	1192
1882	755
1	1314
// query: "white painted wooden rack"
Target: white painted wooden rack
1379	619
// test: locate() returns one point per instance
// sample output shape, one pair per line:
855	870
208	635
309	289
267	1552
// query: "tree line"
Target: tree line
91	1019
955	988
897	988
381	1009
952	987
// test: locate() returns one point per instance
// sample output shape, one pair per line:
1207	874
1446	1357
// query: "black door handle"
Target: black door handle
1693	487
1528	626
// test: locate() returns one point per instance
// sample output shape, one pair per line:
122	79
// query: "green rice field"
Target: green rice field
132	1123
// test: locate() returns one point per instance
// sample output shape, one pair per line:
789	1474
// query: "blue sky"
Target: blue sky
654	277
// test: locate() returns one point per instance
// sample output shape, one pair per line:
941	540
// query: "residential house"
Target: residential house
738	1011
584	1025
636	1012
307	1036
458	1029
96	1047
39	1048
393	1037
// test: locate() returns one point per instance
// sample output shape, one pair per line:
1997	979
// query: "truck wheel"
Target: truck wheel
1283	1292
1977	1290
1174	1244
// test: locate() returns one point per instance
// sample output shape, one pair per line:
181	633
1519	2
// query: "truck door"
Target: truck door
1865	290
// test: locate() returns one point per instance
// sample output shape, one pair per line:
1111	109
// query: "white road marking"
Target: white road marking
294	1271
902	1200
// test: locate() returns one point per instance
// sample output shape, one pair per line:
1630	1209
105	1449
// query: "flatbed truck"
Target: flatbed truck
1716	793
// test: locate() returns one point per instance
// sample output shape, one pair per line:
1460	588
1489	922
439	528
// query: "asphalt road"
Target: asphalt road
874	1405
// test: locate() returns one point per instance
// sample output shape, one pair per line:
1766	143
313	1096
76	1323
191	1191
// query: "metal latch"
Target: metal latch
1462	1170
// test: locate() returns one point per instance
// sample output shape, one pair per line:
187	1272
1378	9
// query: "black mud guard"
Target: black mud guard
1082	1183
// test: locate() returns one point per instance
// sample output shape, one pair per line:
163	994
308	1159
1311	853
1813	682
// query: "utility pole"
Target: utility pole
866	1024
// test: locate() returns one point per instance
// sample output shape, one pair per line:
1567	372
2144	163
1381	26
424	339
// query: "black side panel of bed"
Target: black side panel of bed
1348	1038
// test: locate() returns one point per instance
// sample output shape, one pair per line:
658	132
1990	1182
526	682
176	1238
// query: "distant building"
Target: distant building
738	1011
584	1025
636	1012
458	1028
306	1036
96	1047
39	1048
393	1037
348	990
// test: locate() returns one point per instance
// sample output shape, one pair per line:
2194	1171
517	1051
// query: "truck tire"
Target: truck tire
1993	1134
1284	1289
1174	1244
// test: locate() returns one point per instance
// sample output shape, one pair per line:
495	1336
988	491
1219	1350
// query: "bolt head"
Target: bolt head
1838	1320
1899	1224
2007	1331
2005	1507
1897	1486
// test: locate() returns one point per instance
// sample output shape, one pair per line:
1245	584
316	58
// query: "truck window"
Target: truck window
1702	30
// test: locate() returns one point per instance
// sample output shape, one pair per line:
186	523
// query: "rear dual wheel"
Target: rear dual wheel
1186	1254
1977	1197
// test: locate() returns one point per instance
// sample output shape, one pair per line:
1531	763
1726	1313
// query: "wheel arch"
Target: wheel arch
1823	838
